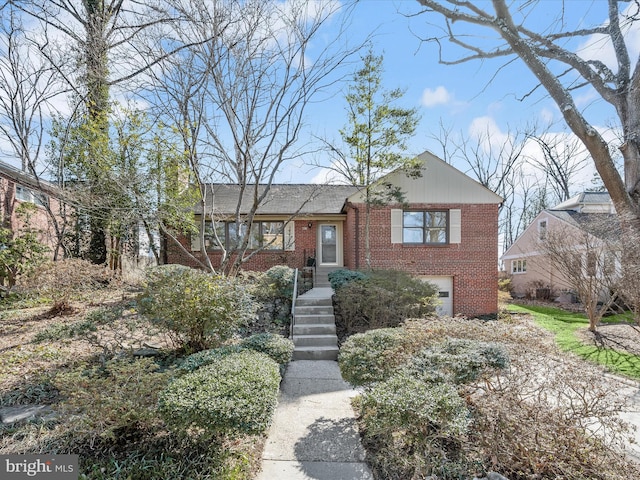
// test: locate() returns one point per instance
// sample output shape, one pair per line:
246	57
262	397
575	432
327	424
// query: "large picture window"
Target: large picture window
428	227
265	235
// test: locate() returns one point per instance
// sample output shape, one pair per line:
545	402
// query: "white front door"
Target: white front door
329	244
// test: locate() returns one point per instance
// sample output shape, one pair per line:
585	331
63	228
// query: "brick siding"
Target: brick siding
39	219
473	263
305	242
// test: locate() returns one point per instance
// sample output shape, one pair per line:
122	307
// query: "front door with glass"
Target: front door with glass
328	244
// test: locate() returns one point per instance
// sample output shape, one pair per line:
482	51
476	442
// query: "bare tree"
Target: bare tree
28	84
246	96
587	258
496	163
542	52
100	31
628	285
107	38
562	159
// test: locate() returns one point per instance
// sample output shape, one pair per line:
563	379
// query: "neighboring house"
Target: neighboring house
532	274
446	233
17	187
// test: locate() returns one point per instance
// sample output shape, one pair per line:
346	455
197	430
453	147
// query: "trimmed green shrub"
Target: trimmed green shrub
281	279
421	410
205	357
384	299
342	276
459	360
235	394
275	346
367	357
419	426
198	309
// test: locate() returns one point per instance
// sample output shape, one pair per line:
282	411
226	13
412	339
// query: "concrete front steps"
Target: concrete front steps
321	278
314	328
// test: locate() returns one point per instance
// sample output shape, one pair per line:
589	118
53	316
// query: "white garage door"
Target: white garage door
445	293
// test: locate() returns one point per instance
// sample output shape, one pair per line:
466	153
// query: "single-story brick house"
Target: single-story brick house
446	232
533	274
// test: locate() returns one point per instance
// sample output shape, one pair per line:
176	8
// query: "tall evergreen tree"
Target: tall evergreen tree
376	139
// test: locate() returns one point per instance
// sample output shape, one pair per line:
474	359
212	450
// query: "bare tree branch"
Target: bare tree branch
622	89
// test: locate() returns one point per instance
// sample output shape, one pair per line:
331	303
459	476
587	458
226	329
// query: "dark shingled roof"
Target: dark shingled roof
282	199
602	225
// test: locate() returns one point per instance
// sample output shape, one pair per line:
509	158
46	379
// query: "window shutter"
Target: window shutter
290	236
455	226
396	226
195	242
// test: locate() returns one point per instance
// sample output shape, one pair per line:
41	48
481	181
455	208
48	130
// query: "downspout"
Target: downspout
357	253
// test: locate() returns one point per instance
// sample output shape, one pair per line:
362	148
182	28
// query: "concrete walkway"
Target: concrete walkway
314	434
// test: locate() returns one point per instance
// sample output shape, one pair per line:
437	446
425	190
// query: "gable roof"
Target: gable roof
590	212
439	183
282	199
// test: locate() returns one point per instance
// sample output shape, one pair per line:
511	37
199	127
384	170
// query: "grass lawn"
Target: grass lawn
565	326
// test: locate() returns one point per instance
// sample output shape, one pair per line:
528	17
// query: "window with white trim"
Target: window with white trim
25	194
518	266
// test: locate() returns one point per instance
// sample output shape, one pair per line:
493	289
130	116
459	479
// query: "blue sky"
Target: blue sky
469	97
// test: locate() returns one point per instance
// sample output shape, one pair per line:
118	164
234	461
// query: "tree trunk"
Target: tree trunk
625	197
367	239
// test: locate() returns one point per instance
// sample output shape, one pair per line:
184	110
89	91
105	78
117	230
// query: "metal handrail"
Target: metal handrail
294	296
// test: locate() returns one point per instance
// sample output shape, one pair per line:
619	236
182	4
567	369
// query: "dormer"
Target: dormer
588	202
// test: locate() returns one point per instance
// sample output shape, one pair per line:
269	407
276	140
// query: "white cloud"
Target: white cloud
599	47
439	96
486	130
325	176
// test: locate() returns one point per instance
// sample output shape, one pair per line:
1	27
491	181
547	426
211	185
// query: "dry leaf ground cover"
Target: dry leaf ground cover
549	415
103	399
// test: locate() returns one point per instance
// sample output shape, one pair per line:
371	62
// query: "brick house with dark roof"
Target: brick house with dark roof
446	233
